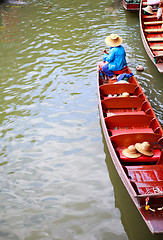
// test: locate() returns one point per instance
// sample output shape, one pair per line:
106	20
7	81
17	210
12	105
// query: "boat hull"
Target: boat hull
152	36
131	6
154	220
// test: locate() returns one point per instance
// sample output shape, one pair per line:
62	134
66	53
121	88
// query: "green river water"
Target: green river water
57	181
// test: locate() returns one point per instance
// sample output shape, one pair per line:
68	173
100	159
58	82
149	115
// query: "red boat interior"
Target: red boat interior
131	5
130	120
153	32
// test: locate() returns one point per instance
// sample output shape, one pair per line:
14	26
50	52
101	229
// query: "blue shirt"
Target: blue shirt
116	58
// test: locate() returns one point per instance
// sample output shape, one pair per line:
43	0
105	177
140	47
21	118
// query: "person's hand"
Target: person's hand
104	50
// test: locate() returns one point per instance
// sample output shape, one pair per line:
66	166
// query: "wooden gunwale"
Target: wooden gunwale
138	199
149	25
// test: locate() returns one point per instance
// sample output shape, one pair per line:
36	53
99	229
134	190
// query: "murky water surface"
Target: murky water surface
57	179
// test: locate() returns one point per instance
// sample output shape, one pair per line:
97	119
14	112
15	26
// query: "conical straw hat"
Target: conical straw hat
148	9
113	40
125	94
144	148
131	152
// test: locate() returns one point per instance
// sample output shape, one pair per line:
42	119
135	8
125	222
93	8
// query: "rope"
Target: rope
155	190
155	143
147	206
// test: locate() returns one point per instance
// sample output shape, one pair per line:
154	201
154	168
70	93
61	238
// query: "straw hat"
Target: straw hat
148	9
125	94
131	152
113	40
144	148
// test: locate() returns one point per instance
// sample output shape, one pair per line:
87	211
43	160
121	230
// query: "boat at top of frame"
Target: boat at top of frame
151	29
132	5
128	122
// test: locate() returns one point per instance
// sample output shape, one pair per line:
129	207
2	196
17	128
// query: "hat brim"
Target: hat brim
140	149
128	154
146	10
113	43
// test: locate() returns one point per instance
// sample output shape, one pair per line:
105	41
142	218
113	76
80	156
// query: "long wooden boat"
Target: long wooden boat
126	121
132	5
151	30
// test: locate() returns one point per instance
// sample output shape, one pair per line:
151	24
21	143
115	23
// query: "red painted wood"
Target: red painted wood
142	159
135	121
152	36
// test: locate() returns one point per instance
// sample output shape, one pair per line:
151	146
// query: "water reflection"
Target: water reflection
9	29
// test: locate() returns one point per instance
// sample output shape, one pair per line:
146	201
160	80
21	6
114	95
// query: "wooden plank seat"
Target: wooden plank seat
145	173
148	187
123	103
155	39
124	70
129	105
117	95
157	48
114	132
117	88
153	23
122	141
142	159
154	30
146	177
150	17
158	54
111	113
118	124
125	140
135	121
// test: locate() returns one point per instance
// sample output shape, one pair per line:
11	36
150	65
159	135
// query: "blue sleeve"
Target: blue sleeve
111	55
105	57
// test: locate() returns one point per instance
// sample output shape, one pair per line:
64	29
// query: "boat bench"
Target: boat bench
135	120
142	159
145	172
126	131
119	103
146	177
126	104
155	39
117	88
140	107
150	17
125	140
153	23
135	123
124	113
154	30
147	187
157	48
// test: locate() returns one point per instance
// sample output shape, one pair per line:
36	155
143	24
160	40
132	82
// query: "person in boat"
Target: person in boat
160	11
115	60
153	3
